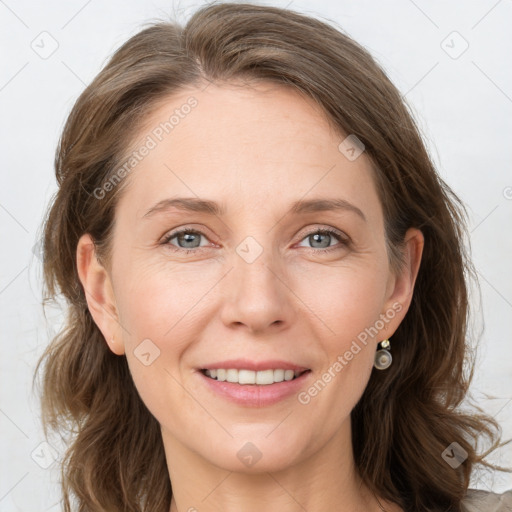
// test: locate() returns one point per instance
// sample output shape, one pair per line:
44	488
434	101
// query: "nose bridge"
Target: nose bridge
255	246
257	297
255	264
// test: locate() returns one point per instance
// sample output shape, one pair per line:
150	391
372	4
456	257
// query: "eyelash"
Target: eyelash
323	231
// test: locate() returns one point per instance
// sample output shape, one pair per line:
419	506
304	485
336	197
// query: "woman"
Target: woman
211	345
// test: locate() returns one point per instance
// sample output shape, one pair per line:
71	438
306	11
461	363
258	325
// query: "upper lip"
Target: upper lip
256	366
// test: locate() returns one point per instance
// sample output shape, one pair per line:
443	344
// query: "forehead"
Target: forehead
273	112
254	144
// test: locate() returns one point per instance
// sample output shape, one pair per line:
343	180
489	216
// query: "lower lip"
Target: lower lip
253	395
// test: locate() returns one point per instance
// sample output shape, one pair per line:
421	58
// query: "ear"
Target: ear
400	287
99	293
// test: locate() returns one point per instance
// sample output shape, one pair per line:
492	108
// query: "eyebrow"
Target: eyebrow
207	206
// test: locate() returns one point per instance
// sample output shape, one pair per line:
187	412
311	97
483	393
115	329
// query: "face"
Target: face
273	279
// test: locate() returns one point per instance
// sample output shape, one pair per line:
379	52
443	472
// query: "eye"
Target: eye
190	238
323	237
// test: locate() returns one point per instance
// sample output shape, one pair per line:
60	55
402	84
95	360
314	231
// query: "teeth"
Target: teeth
263	378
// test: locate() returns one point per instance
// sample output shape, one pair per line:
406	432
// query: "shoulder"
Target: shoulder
483	501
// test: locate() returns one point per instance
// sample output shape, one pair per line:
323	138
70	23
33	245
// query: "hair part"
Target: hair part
119	465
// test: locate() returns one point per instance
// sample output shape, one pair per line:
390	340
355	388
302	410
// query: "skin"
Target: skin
256	149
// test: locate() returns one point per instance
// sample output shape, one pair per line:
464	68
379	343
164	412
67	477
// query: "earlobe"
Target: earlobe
116	346
99	293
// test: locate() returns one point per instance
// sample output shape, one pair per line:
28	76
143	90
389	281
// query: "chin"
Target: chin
257	453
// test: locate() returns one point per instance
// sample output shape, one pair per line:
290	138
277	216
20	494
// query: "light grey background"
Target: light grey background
462	102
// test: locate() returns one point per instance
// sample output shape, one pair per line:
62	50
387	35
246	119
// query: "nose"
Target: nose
257	296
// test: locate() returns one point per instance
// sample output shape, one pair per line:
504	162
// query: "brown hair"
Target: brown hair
408	414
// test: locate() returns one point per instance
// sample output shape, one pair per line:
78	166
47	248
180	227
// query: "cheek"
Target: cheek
347	308
157	301
162	310
346	300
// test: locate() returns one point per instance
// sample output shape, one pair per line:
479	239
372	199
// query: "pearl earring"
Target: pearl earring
383	357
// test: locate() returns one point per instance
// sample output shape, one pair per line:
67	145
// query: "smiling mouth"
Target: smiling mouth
250	377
